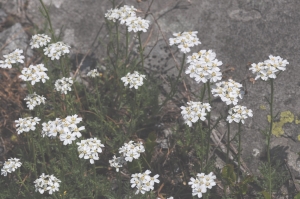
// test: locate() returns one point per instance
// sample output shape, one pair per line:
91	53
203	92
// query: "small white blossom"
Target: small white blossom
93	73
46	183
26	124
12	58
194	111
131	150
10	166
143	181
238	114
39	40
137	24
34	74
63	85
201	183
89	149
56	50
268	68
34	100
117	162
185	40
134	80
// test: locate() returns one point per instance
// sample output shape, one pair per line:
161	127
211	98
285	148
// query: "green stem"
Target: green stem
21	181
127	38
239	149
141	50
228	138
118	47
95	179
269	137
208	120
49	20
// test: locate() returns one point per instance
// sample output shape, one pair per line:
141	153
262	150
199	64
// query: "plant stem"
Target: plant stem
21	181
208	120
269	137
127	38
141	50
49	20
228	138
239	150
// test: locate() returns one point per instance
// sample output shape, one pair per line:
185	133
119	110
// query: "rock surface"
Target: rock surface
239	31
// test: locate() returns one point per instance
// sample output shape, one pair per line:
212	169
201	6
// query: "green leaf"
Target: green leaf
149	146
228	174
266	195
297	196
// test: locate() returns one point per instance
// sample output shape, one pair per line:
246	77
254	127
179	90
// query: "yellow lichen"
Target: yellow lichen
285	117
262	107
296	120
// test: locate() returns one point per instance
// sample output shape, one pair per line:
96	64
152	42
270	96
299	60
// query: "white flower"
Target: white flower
34	73
117	162
194	111
201	183
89	149
93	73
12	58
39	40
56	50
228	91
26	124
46	183
63	85
143	181
137	24
131	150
34	100
238	114
134	80
10	166
268	68
185	40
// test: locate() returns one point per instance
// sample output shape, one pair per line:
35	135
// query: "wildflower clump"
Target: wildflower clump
201	183
143	181
228	91
12	58
10	166
66	128
238	114
194	111
47	183
204	66
117	162
89	149
26	124
33	100
93	73
185	40
63	85
34	74
39	40
56	50
268	68
134	80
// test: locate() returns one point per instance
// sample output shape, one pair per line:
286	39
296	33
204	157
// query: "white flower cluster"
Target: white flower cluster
128	151
34	100
26	124
127	15
202	183
168	198
134	80
228	91
67	129
268	68
93	73
39	40
34	74
185	40
63	85
56	50
10	165
47	183
194	111
204	66
143	181
12	58
238	114
89	149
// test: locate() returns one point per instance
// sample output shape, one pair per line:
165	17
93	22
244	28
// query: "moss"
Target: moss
285	117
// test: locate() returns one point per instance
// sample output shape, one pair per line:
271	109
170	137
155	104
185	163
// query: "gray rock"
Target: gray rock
14	38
